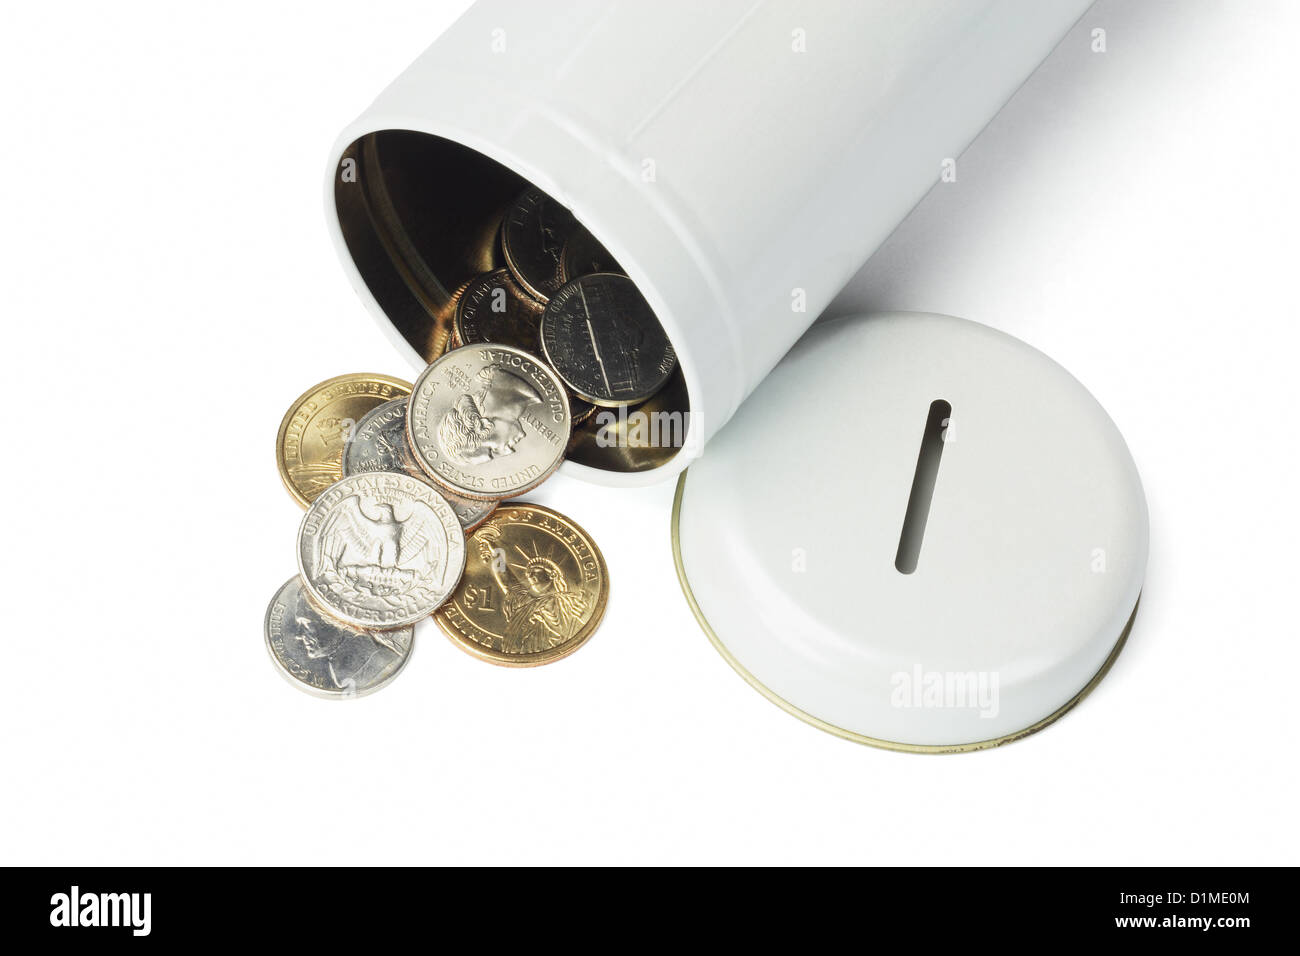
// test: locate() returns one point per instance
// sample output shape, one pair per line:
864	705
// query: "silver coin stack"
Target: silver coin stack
534	347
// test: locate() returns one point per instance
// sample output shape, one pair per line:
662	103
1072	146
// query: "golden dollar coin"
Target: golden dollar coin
309	445
534	590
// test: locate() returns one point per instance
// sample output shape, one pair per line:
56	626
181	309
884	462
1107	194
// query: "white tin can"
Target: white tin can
740	158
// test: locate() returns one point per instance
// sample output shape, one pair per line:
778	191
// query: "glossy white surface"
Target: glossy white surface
785	140
1032	558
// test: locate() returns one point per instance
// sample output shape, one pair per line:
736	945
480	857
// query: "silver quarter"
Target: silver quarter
326	657
495	310
533	235
380	550
378	443
600	335
489	421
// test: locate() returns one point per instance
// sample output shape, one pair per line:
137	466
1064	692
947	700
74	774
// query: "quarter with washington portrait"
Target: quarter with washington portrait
488	421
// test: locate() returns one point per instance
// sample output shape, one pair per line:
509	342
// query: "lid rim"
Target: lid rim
851	735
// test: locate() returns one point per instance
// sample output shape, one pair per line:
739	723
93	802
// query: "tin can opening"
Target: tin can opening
421	216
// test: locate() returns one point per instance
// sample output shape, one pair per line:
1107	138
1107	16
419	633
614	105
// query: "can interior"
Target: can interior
421	218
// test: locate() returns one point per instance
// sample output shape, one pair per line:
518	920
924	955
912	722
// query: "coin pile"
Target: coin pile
404	484
563	297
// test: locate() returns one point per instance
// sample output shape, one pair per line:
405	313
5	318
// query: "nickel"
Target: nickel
600	335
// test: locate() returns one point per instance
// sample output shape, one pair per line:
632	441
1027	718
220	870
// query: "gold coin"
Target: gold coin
534	590
309	445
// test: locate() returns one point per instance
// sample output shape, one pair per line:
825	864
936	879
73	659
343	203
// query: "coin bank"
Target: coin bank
740	175
965	564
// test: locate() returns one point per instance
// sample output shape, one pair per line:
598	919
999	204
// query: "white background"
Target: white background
167	288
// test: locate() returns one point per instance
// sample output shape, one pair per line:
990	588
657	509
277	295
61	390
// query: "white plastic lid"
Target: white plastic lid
946	598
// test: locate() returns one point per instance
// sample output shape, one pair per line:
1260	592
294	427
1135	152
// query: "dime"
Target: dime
494	309
309	446
378	443
534	590
380	550
488	421
326	657
600	335
583	254
533	235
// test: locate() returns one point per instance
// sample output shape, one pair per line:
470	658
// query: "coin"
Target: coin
494	309
534	590
533	235
488	421
583	254
580	410
442	331
309	445
378	443
600	335
380	550
326	657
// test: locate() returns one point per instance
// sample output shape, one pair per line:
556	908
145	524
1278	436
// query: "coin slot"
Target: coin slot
420	216
923	482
